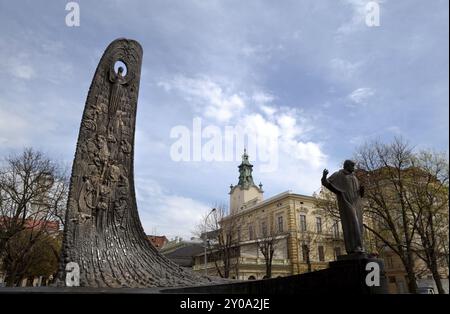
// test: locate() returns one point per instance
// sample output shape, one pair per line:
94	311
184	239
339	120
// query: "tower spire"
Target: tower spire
245	171
245	193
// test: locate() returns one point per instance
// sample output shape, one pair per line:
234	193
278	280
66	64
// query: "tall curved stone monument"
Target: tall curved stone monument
103	234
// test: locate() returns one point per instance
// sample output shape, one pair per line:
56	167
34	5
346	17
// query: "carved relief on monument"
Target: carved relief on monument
103	233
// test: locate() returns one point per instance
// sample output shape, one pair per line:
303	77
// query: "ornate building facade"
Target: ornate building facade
300	235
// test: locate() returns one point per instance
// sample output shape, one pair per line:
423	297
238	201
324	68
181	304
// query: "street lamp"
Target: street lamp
204	240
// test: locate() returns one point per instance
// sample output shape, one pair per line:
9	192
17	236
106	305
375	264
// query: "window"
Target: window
336	229
280	224
251	235
321	253
239	234
302	223
305	252
337	252
264	229
318	224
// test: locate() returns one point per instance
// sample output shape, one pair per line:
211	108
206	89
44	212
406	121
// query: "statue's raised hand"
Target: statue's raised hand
325	173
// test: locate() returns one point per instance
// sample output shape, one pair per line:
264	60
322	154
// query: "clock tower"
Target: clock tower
246	193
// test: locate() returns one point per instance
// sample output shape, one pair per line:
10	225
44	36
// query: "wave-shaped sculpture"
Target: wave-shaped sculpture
103	233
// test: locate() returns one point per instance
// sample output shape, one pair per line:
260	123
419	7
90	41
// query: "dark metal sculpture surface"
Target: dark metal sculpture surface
103	233
348	192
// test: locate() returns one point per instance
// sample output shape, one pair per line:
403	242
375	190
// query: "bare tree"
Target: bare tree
442	239
406	204
427	199
33	192
267	243
381	171
327	201
223	238
404	191
308	238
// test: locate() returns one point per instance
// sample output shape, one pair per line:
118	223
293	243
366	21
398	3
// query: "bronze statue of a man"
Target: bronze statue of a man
349	193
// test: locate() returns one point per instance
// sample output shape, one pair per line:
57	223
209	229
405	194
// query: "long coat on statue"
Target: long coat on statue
350	211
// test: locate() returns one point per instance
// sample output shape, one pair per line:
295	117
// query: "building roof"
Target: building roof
157	241
272	199
35	224
183	252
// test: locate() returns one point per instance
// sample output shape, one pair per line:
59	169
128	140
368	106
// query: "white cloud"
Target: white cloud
17	66
165	85
264	101
14	61
262	98
249	51
289	130
22	71
288	125
268	110
12	129
29	58
281	130
208	97
394	129
295	175
343	68
361	95
357	19
166	213
312	153
308	152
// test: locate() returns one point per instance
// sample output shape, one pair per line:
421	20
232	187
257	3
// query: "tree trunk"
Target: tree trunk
9	280
438	281
10	272
412	284
11	276
308	260
268	270
435	272
226	265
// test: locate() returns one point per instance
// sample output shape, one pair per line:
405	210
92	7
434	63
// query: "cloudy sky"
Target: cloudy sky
311	72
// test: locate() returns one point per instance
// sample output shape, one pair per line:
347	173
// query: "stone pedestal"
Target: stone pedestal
353	256
359	272
347	275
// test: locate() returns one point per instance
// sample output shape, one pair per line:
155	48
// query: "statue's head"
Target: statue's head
349	165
